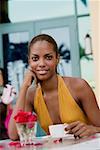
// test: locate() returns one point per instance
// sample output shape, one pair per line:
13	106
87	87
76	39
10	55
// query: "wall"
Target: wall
95	26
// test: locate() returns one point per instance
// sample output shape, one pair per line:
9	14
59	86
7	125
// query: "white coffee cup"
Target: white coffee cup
58	130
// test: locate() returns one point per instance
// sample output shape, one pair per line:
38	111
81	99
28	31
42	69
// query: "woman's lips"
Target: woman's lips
42	72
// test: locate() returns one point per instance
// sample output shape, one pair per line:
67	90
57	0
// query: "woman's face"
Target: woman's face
43	60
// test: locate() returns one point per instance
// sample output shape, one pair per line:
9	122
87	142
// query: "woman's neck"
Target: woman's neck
50	84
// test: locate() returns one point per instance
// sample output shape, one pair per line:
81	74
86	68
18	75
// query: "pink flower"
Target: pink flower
2	147
15	144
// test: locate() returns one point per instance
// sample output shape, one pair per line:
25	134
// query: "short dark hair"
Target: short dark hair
3	74
2	70
43	37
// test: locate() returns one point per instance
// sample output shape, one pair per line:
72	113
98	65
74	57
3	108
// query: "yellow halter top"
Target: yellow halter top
69	109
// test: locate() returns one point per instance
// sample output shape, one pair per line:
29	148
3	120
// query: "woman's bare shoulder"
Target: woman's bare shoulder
74	82
76	87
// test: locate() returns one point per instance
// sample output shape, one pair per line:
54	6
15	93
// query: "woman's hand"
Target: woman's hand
29	77
81	130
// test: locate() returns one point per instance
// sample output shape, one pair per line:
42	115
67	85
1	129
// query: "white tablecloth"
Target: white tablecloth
91	143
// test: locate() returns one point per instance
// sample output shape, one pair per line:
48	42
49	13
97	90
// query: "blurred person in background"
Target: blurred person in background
3	109
7	95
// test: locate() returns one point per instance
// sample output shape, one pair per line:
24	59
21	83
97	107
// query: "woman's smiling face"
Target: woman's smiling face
43	59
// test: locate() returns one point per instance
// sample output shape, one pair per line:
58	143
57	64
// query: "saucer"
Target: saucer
67	136
41	139
47	138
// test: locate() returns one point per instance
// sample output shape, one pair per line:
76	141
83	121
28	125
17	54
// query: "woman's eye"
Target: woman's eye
48	57
34	58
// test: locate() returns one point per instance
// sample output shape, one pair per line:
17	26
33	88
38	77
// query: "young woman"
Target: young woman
55	99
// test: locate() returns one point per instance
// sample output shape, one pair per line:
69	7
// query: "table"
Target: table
90	143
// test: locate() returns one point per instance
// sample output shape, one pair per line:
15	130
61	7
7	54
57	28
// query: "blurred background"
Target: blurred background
68	21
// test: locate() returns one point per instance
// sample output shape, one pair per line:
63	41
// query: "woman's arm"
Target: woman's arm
20	104
89	103
90	107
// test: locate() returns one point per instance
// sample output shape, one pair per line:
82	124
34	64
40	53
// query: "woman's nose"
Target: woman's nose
41	62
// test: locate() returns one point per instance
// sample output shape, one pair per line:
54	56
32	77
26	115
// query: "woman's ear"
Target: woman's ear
58	58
